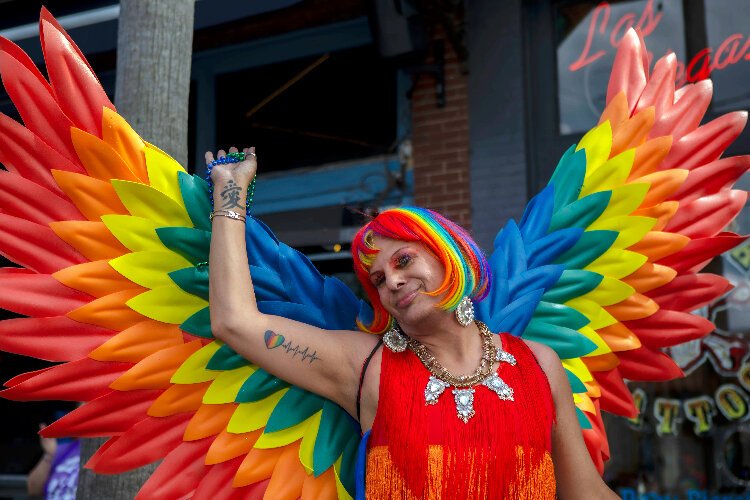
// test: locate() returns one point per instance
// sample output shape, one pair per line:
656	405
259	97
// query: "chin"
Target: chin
416	315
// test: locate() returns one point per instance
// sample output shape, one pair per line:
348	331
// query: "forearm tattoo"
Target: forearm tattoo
274	340
230	196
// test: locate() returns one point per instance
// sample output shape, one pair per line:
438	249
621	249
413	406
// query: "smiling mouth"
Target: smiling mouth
407	299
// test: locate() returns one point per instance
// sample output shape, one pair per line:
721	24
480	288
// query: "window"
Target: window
310	111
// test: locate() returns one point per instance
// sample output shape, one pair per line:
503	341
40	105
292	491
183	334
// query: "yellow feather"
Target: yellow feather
617	263
169	304
625	200
632	229
162	172
597	143
227	384
610	291
250	417
136	233
601	345
611	174
598	317
307	447
578	368
193	370
149	269
144	201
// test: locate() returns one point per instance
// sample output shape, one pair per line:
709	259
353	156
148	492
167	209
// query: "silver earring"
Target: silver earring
465	312
395	340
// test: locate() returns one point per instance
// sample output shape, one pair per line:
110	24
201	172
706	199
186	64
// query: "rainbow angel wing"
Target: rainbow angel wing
112	237
604	264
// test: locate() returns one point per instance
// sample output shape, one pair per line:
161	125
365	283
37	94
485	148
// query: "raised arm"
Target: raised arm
321	361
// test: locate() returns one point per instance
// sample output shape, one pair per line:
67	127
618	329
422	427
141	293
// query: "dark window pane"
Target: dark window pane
342	109
728	35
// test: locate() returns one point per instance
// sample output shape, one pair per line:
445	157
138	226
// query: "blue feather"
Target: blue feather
496	299
302	282
516	315
545	250
510	244
540	278
536	218
261	244
361	467
341	304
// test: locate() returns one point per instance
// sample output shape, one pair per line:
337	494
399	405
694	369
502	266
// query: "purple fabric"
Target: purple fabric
63	477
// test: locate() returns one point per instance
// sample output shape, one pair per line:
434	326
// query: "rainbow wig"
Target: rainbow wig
466	269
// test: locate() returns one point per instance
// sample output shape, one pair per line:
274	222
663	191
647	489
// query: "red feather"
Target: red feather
53	339
108	415
81	380
37	295
146	442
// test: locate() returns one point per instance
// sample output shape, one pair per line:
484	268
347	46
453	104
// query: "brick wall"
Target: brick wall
441	143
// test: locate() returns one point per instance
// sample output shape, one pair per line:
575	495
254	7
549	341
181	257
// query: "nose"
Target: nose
394	280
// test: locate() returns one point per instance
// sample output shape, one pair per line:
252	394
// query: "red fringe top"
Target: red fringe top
420	451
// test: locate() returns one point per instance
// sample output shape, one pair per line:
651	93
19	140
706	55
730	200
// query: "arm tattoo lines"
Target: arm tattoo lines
230	195
274	340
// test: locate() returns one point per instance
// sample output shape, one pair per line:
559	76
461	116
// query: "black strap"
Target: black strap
362	374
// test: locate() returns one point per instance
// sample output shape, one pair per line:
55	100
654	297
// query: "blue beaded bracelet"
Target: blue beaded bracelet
230	158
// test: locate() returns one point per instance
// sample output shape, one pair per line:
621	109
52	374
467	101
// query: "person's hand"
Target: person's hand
49	445
241	173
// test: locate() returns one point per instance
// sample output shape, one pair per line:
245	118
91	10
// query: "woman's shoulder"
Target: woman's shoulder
549	361
540	351
547	358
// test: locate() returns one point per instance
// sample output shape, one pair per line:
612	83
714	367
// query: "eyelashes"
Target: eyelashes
400	262
403	260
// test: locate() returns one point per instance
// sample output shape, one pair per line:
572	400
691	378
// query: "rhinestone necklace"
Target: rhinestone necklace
463	392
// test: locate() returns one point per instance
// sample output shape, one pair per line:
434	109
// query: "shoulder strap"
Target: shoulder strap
362	374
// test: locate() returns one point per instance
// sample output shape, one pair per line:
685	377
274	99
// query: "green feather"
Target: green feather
197	199
193	244
576	385
199	324
193	280
348	463
259	386
571	284
568	177
334	432
560	314
583	420
294	407
589	247
582	212
226	359
566	342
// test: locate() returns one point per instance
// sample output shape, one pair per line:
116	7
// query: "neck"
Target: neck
451	344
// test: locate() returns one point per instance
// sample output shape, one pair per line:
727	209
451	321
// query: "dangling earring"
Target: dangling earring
465	312
395	340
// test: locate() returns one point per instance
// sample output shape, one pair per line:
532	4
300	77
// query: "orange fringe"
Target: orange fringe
534	480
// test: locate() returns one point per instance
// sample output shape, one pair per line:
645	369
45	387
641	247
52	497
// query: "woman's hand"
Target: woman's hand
231	180
241	173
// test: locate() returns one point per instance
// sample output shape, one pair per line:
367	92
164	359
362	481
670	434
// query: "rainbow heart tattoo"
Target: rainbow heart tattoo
273	340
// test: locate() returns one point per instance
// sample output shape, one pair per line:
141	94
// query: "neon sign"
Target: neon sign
732	50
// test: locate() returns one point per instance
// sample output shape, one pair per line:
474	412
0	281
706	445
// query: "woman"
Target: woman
512	409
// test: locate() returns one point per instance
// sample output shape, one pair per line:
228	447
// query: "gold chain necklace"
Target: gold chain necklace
439	371
463	392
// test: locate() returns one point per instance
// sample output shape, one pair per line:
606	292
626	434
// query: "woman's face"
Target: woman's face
402	270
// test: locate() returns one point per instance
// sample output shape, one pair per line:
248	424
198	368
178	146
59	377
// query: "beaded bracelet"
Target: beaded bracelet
230	158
